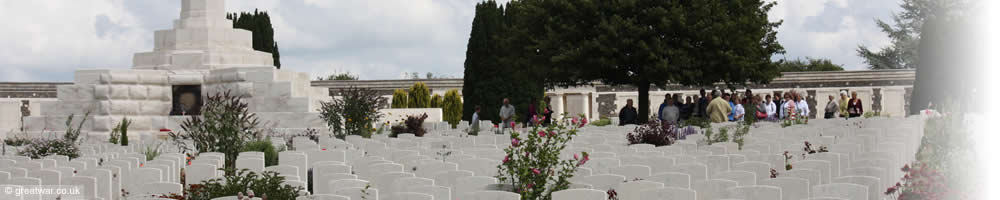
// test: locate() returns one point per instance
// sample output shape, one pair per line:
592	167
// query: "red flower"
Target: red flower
514	142
576	157
906	168
513	125
506	159
324	149
164	130
496	126
541	133
583	121
573	120
552	133
535	171
530	185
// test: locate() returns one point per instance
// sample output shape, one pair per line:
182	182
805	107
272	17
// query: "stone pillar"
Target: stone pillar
876	100
811	101
557	105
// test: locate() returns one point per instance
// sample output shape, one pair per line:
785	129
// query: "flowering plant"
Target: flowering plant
657	133
532	164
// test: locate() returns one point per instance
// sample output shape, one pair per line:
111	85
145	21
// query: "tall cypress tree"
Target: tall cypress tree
258	22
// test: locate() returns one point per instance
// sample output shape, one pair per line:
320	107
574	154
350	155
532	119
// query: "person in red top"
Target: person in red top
854	108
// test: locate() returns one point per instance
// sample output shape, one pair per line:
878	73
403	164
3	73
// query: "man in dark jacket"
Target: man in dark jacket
703	104
628	114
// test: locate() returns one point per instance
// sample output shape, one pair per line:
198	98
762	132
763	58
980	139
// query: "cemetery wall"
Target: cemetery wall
887	91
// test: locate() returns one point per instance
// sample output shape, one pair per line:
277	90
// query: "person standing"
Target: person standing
854	108
532	113
732	107
703	104
801	105
670	113
832	108
687	109
628	114
506	114
772	112
666	101
843	104
718	108
547	112
474	124
739	111
787	106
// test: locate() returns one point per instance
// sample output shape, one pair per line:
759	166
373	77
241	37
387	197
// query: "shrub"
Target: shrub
355	113
67	146
266	184
452	107
270	153
40	148
225	125
420	96
653	132
712	138
604	121
532	164
436	101
119	135
399	99
152	152
412	124
17	141
697	121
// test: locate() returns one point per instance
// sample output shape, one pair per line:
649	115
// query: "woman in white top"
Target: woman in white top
739	112
770	107
801	106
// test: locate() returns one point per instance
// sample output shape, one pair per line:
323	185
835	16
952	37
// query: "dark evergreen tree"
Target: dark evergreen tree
495	68
258	22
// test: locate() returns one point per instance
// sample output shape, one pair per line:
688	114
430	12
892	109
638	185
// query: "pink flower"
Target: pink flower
512	124
574	120
534	119
576	157
531	185
506	159
584	121
552	133
535	171
541	133
496	126
514	141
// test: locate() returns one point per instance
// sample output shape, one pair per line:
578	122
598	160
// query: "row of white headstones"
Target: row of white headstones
864	157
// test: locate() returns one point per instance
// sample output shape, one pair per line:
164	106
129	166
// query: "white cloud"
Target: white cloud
47	39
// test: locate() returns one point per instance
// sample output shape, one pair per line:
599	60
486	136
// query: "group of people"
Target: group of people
507	115
845	108
721	107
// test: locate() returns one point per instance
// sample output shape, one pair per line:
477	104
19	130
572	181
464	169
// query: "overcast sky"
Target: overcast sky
46	40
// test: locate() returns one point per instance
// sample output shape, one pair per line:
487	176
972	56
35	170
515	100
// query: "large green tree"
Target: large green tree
809	65
645	43
258	22
906	33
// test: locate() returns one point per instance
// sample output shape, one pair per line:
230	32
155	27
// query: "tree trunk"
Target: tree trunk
643	101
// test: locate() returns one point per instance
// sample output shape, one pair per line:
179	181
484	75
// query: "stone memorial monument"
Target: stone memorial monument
200	56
